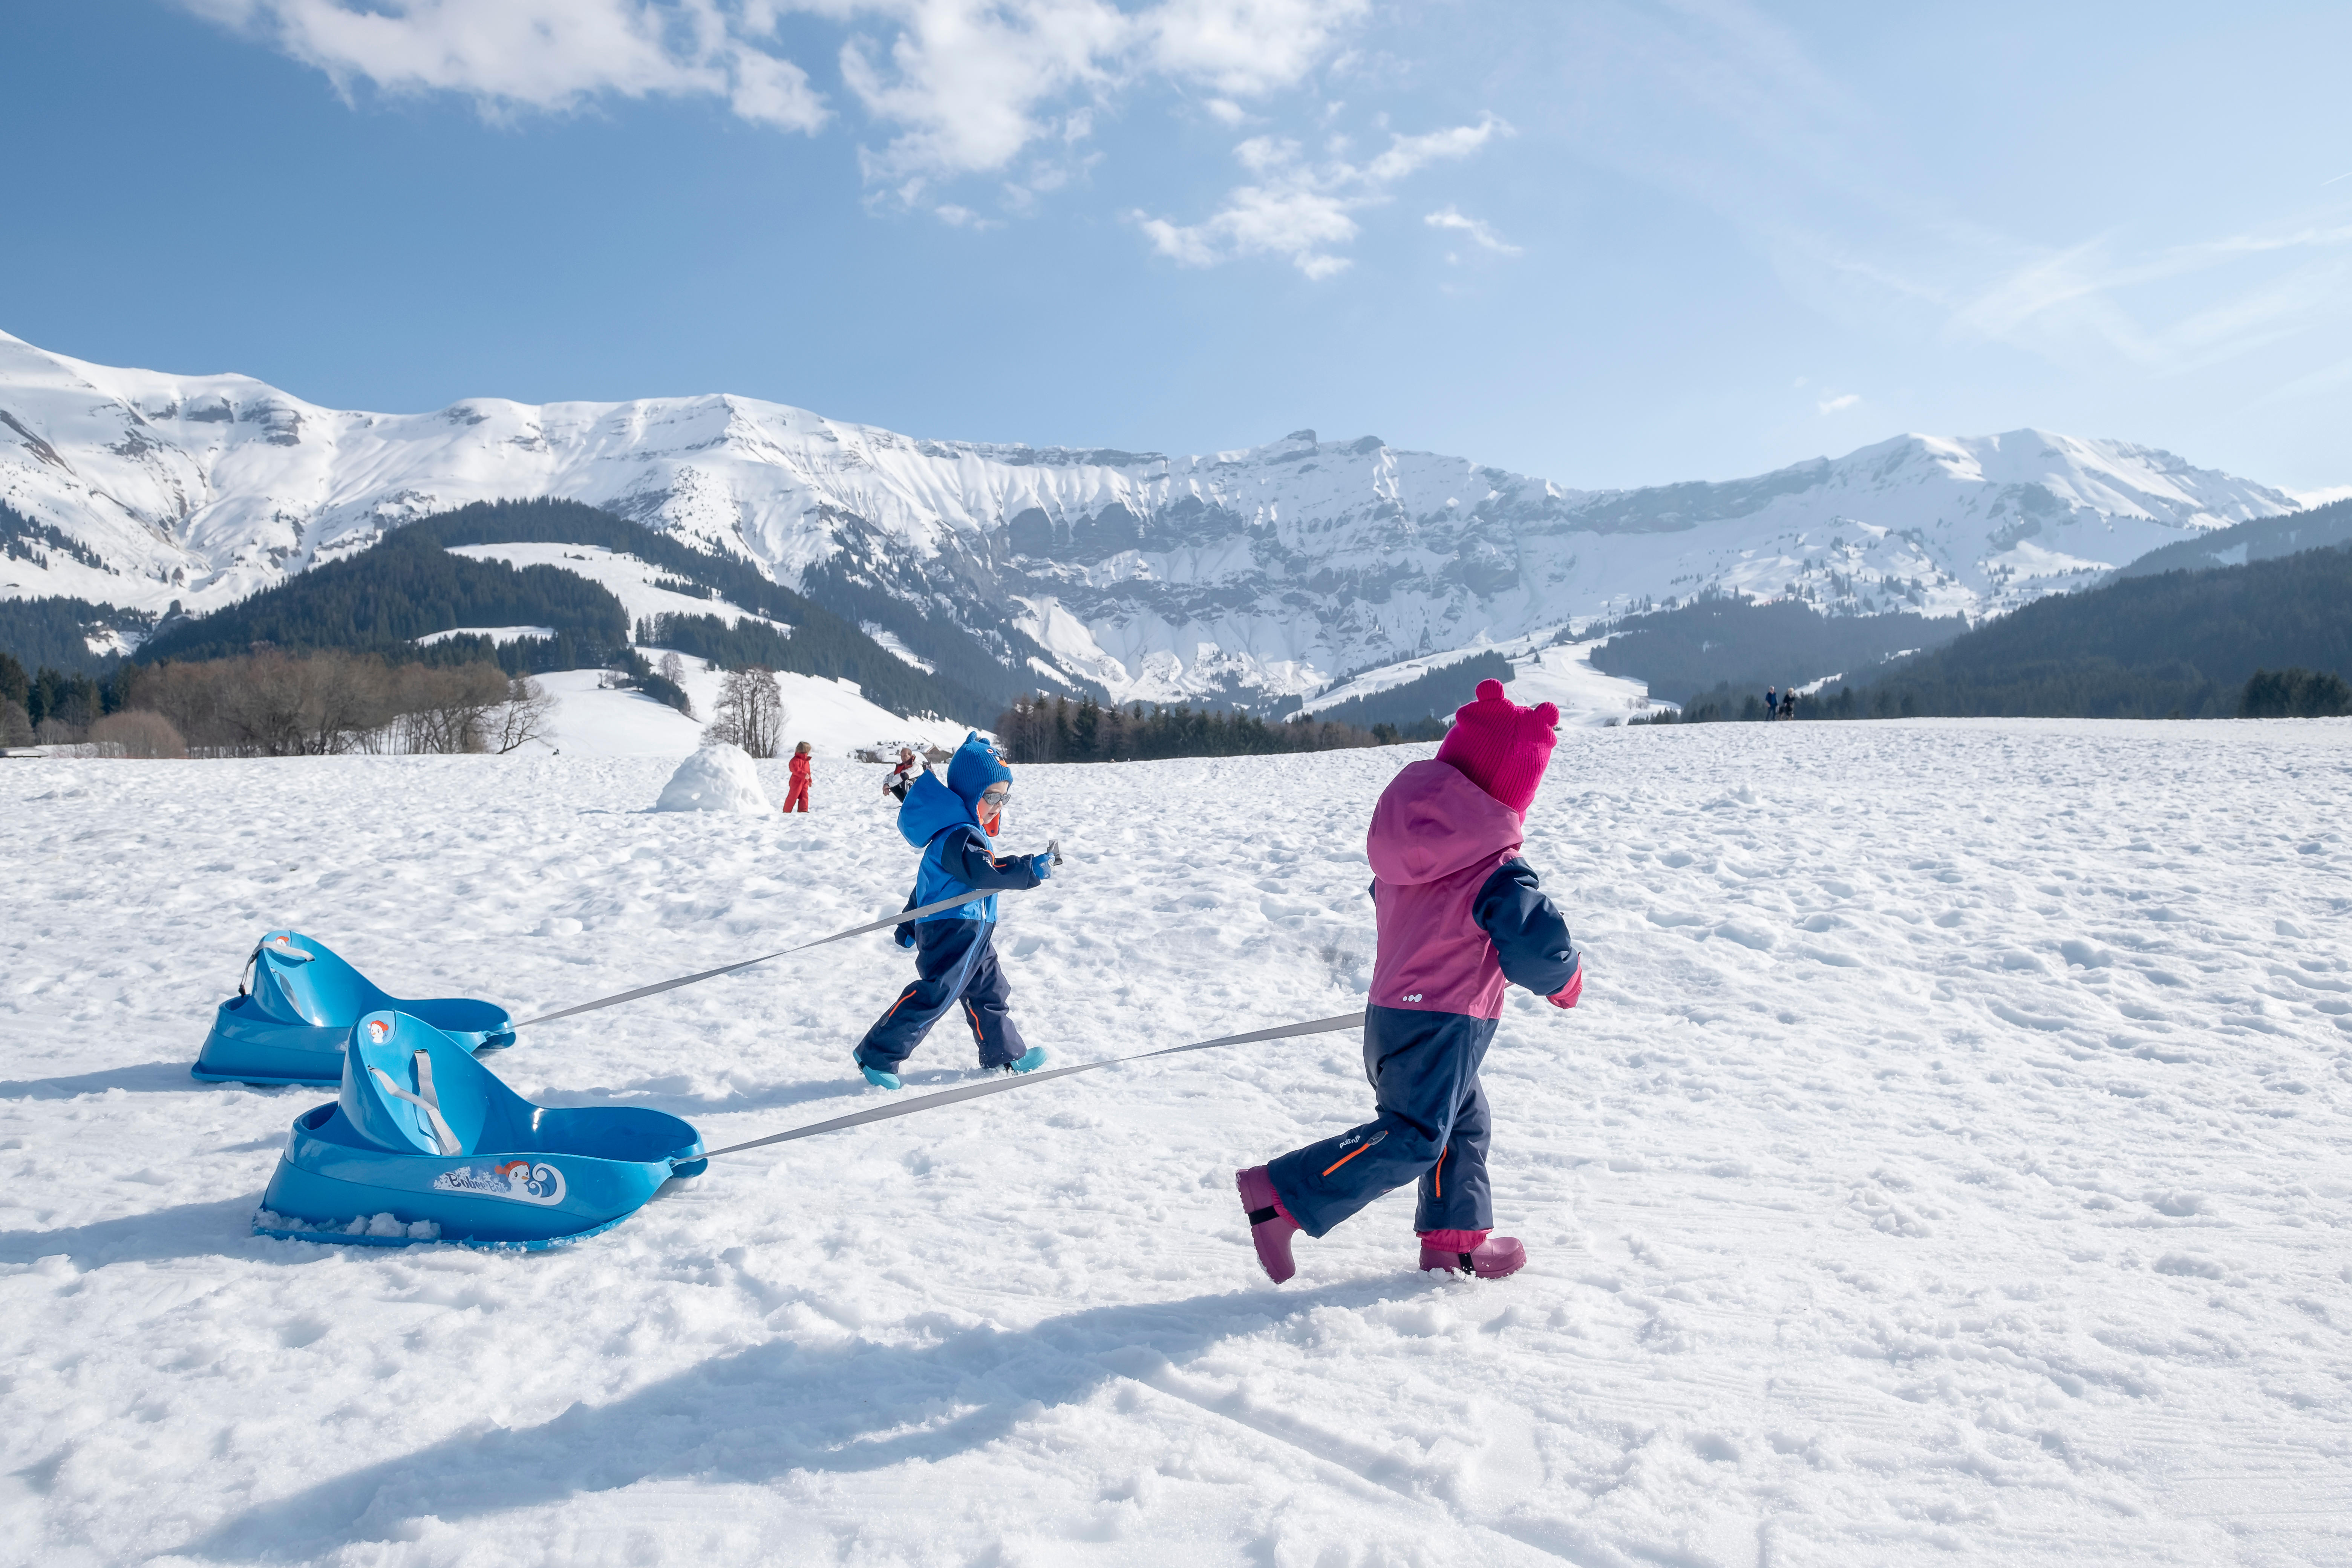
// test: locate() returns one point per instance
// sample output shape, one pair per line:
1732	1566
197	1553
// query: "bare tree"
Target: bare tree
16	724
752	712
673	670
137	734
446	710
522	718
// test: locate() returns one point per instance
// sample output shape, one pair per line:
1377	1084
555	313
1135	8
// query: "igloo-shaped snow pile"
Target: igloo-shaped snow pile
717	778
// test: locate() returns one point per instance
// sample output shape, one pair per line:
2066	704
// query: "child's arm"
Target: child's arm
968	858
1531	936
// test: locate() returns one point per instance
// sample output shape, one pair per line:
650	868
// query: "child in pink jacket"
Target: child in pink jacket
1459	915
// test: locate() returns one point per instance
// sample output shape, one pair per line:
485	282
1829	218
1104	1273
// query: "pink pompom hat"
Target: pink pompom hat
1500	746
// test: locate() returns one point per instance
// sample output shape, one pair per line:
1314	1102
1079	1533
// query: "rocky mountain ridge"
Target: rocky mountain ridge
1257	574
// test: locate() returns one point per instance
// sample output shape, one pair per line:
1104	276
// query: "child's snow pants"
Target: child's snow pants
796	796
1431	1129
955	962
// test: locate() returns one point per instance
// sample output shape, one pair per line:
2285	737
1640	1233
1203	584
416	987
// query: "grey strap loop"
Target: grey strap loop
427	1103
998	1085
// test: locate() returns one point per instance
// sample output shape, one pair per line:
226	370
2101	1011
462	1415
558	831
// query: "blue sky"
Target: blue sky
1609	243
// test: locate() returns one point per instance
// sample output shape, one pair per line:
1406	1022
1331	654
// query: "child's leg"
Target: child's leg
1454	1195
987	1001
1420	1064
944	951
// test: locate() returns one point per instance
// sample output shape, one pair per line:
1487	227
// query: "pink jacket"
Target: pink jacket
1435	839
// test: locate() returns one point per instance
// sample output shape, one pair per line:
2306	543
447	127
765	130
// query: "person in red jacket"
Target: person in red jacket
796	797
1459	916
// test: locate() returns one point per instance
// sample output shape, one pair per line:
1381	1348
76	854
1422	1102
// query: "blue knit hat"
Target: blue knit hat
974	767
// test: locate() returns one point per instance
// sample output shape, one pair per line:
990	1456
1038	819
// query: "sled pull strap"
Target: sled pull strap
250	960
427	1103
1010	1081
658	988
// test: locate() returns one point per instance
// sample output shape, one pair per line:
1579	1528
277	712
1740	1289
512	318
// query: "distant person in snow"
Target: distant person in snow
1771	701
955	952
1789	703
796	796
902	777
1459	914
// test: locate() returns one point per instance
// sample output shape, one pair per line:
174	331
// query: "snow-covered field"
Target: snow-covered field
1949	1162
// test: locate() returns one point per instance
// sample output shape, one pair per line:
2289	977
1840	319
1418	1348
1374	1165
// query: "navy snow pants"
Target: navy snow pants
955	963
1432	1128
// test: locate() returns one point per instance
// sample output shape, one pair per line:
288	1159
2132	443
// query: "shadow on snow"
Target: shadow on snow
758	1414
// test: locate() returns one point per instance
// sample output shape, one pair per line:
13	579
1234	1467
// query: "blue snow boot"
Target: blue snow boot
1030	1061
880	1078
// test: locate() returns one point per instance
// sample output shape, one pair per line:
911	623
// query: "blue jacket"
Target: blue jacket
956	858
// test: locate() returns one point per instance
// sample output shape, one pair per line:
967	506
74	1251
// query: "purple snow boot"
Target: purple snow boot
1469	1252
1271	1226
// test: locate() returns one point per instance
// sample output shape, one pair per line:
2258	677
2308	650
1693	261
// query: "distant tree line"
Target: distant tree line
2291	693
1053	728
275	704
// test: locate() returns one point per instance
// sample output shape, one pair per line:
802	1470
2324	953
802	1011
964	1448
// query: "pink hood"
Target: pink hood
1436	838
1432	822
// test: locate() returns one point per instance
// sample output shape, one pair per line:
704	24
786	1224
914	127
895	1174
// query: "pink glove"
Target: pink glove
1566	994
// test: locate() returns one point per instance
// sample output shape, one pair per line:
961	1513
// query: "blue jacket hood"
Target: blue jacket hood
974	767
930	809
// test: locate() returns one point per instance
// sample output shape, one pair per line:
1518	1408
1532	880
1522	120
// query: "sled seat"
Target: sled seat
304	1001
423	1143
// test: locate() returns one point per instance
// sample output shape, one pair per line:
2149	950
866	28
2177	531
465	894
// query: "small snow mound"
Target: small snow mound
716	778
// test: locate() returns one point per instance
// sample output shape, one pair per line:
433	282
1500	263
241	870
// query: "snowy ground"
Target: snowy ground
1949	1162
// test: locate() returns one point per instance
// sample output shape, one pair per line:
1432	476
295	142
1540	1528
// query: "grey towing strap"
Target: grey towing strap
655	990
999	1085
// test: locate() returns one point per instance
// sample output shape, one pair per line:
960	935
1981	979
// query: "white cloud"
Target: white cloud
965	85
969	82
1479	233
1246	47
548	54
1839	403
1301	210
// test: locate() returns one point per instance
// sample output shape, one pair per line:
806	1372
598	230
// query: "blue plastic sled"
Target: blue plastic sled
305	1000
426	1145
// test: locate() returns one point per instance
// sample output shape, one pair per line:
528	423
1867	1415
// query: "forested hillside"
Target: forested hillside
409	586
2263	538
2182	644
387	597
1722	641
1419	709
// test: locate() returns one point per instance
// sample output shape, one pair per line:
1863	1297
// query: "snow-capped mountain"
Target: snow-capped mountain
1265	572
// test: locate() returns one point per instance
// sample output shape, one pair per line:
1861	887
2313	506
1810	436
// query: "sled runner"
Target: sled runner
304	1002
424	1144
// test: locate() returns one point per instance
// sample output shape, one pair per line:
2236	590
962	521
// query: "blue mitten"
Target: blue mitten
904	935
1041	867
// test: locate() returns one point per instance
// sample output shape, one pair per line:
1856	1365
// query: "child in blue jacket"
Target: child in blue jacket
955	955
